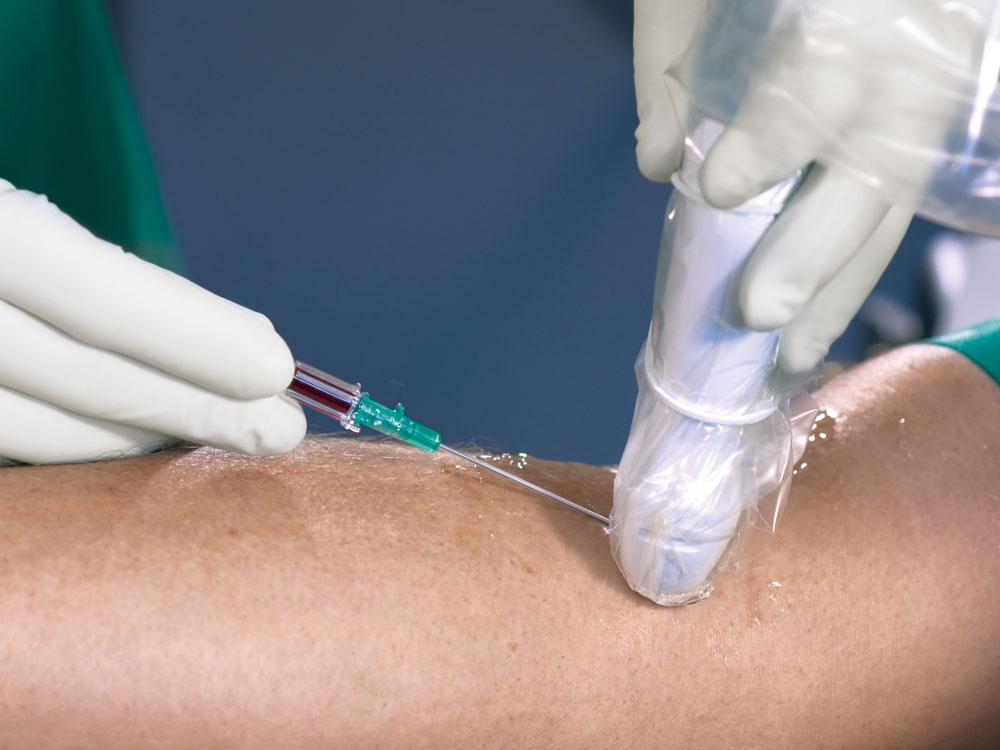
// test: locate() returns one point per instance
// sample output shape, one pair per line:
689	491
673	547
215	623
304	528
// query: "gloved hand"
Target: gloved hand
105	354
853	86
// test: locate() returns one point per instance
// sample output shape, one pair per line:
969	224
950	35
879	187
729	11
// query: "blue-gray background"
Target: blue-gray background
436	199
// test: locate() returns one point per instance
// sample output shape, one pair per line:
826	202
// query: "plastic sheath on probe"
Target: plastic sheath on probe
346	403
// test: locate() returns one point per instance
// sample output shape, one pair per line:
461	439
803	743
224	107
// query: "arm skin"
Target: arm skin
354	594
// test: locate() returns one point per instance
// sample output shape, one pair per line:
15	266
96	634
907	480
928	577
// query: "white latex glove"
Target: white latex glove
816	265
105	354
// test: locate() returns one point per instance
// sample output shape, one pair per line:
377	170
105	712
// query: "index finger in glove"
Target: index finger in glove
807	339
107	298
828	219
794	108
663	34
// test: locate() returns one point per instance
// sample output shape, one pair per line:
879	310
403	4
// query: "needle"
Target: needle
529	485
345	402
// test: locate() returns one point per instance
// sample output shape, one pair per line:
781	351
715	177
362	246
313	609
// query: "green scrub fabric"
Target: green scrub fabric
68	126
980	343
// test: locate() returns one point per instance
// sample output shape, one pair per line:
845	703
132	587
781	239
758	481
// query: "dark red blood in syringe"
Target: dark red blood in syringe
332	403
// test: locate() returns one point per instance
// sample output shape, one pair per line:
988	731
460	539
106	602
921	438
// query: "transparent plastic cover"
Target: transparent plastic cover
904	93
718	424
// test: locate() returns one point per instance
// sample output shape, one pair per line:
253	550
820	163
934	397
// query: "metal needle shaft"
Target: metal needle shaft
529	485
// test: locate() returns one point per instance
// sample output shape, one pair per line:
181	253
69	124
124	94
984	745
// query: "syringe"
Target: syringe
346	403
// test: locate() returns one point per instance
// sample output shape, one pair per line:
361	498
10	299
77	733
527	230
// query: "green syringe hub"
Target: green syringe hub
394	423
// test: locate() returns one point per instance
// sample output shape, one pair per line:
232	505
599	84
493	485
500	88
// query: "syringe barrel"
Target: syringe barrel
326	393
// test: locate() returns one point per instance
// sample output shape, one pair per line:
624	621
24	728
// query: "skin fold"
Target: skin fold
362	594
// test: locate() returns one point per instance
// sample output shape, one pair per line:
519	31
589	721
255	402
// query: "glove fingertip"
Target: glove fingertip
765	307
281	428
657	157
797	357
280	367
267	372
293	428
659	137
732	172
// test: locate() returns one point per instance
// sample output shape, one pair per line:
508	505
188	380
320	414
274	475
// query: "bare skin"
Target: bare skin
354	594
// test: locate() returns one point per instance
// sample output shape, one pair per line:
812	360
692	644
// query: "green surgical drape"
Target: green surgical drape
68	126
